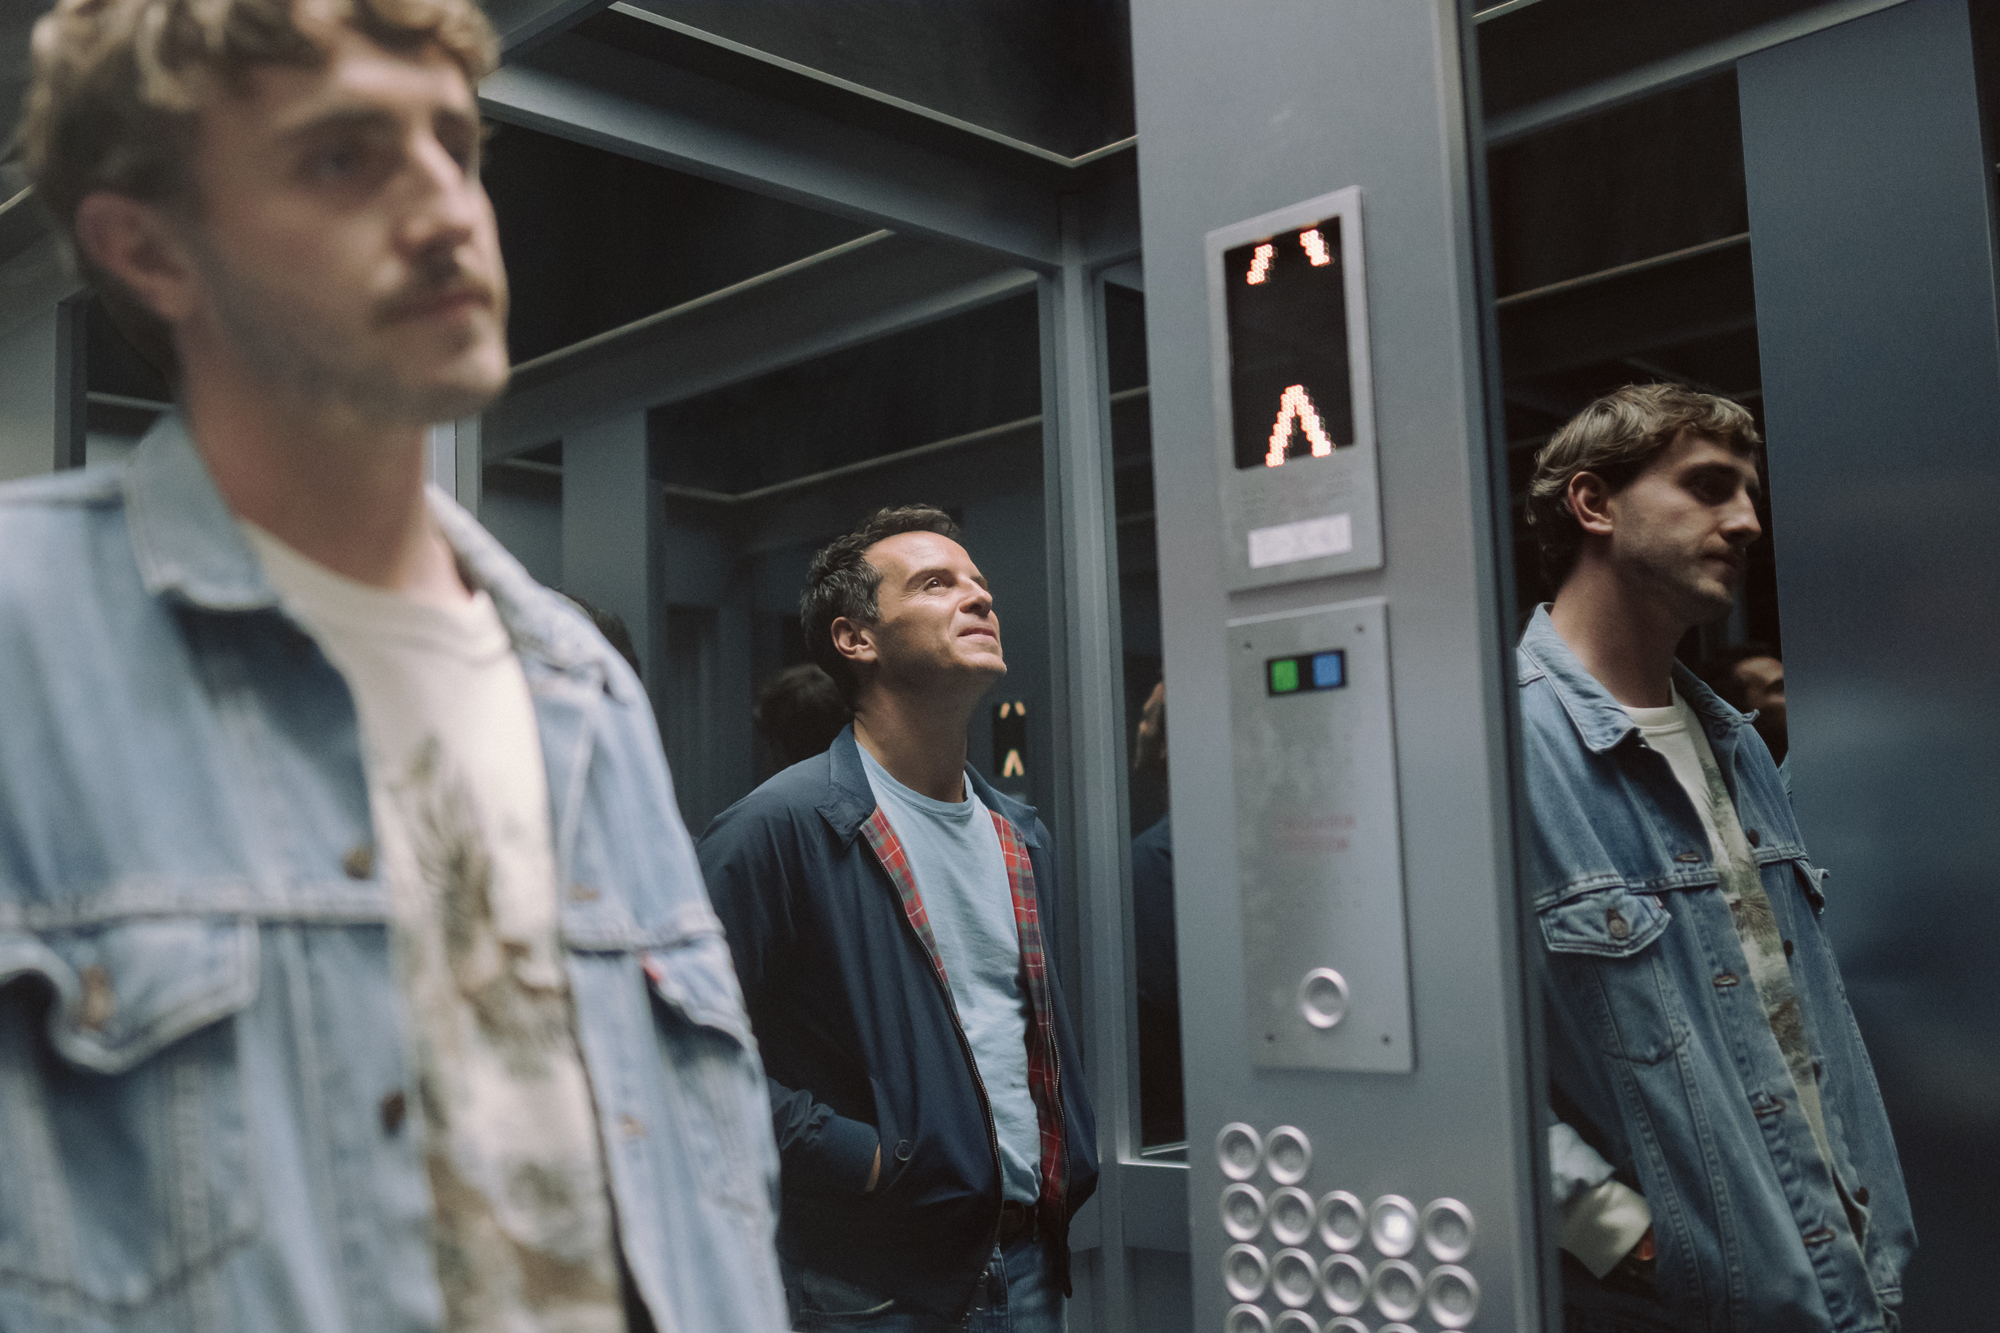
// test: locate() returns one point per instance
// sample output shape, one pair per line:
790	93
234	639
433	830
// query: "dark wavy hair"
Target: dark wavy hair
841	582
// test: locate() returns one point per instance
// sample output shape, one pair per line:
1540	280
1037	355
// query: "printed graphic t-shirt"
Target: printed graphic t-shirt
1675	731
956	860
522	1229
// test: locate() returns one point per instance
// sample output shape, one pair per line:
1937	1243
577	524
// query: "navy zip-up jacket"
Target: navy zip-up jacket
862	1046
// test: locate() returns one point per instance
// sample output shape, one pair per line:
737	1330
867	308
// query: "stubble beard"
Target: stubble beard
1674	580
287	347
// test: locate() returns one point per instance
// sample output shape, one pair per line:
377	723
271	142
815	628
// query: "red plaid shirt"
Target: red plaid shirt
1044	1068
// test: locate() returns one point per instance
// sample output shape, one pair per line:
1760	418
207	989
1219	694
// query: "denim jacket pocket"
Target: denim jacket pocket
724	1112
122	1109
1604	968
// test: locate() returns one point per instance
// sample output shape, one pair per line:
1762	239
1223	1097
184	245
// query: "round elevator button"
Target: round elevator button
1392	1227
1245	1272
1323	997
1295	1321
1343	1324
1343	1283
1294	1278
1447	1229
1398	1288
1242	1211
1291	1216
1451	1297
1342	1221
1288	1155
1246	1319
1239	1151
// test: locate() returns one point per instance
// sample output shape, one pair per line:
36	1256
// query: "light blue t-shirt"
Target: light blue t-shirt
955	856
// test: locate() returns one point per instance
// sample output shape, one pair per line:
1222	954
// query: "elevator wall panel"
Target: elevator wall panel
1871	218
1241	112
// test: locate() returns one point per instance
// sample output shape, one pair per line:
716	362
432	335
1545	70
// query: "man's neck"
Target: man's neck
345	493
1624	640
920	742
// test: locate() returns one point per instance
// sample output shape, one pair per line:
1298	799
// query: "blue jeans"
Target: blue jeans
1016	1293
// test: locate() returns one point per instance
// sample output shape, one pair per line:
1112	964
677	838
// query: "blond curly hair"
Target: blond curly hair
116	85
1615	438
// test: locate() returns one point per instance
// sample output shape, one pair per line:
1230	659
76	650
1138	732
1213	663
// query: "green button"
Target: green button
1285	675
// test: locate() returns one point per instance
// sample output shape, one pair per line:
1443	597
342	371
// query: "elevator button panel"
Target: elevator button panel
1318	852
1335	1256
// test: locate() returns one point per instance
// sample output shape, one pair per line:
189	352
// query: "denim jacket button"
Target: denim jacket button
1820	1236
1687	857
359	863
1726	980
903	1150
1861	1195
393	1108
1752	837
1788	948
1616	924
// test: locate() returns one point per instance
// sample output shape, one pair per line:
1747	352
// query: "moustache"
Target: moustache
420	295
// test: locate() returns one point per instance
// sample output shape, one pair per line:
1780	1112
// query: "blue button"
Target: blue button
1329	670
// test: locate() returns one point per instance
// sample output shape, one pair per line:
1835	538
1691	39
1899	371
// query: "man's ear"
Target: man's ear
1589	500
136	244
854	642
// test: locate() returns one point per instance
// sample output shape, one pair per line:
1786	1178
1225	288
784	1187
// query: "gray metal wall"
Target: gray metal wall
1242	110
1872	231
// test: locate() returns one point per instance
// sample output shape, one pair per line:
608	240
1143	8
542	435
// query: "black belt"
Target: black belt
1017	1219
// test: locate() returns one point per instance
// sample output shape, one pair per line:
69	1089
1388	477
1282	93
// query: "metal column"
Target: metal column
609	517
1244	110
1084	618
1872	227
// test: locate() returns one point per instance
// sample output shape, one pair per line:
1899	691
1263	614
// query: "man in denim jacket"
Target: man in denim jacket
355	970
1721	1157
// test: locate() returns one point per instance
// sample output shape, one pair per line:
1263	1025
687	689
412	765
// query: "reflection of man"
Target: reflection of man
1751	679
885	905
799	711
1723	1159
1161	1117
365	976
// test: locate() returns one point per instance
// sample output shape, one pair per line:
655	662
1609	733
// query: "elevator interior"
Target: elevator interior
776	265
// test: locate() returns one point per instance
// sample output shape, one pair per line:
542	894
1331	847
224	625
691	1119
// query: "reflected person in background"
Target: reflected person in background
1162	1116
355	969
1750	678
886	905
799	711
1721	1159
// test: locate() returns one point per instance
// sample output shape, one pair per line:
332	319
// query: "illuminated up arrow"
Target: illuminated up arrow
1295	408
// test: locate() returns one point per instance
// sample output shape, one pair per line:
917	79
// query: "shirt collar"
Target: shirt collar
849	800
188	546
1600	720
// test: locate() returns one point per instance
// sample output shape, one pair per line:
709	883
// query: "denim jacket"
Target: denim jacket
203	1048
1659	1049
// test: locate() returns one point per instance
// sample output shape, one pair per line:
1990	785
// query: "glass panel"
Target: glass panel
1162	1124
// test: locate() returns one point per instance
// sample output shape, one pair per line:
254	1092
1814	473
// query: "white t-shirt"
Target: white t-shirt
961	875
522	1226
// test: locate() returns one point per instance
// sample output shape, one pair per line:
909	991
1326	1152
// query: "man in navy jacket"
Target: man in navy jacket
884	906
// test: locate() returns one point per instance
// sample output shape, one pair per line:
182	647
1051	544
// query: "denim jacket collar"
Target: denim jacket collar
1601	722
188	545
850	800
